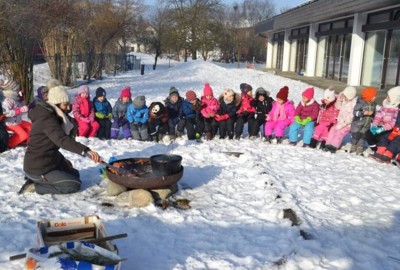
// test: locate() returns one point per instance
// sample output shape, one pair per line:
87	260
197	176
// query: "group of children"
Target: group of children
327	124
322	125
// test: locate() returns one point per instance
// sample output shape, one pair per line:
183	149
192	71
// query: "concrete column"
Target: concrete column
286	51
357	49
312	51
270	50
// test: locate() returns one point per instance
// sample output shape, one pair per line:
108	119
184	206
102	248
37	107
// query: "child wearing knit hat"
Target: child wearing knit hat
280	117
326	119
173	103
119	113
384	119
191	120
210	106
246	110
158	121
138	115
225	118
263	105
364	112
388	147
305	116
13	111
103	114
345	104
83	111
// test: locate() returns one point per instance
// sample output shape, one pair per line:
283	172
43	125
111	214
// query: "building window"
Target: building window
277	57
344	26
381	61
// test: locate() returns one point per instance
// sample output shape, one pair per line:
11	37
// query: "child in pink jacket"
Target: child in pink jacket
384	119
83	112
327	117
345	104
280	117
210	106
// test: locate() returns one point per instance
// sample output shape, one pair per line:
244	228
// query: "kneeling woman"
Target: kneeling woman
45	167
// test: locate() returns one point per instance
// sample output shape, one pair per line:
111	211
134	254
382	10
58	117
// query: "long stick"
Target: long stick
94	241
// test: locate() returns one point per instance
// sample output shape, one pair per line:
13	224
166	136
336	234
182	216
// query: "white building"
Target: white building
353	41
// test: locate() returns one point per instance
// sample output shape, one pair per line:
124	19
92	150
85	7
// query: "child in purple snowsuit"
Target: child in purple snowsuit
280	117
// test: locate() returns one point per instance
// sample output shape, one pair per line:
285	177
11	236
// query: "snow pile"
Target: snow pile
346	205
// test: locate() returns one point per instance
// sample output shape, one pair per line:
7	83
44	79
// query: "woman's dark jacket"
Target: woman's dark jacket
46	138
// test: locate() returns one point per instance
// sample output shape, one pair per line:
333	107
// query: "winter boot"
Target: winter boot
322	145
353	148
385	157
279	140
381	150
359	151
313	143
268	138
330	148
28	186
209	136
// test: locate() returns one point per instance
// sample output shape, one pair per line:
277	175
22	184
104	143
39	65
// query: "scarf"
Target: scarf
66	125
280	113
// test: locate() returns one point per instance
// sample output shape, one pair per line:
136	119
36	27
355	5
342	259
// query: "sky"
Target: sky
347	205
278	3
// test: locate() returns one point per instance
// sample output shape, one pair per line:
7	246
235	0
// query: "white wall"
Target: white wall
286	51
357	49
270	48
312	51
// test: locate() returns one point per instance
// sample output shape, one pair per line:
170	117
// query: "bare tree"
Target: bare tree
189	14
20	28
245	17
59	35
255	11
107	23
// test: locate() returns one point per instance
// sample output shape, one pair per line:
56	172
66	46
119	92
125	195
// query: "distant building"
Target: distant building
354	41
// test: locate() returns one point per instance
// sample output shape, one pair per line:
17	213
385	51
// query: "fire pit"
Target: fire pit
142	174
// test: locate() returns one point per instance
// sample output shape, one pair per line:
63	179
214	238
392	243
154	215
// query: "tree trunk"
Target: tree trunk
17	54
59	48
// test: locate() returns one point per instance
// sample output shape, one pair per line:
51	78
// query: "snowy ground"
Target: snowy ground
348	204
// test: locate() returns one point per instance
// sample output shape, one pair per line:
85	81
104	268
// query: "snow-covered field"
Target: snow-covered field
348	205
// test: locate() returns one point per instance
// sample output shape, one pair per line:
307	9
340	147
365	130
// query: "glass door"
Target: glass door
279	55
301	55
337	55
391	68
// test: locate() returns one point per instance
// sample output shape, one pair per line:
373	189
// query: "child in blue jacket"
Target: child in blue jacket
191	117
138	115
103	114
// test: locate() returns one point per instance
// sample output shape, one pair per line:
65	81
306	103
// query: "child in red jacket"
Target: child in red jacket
305	116
246	110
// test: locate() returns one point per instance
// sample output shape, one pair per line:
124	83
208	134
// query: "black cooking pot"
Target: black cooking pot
166	164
